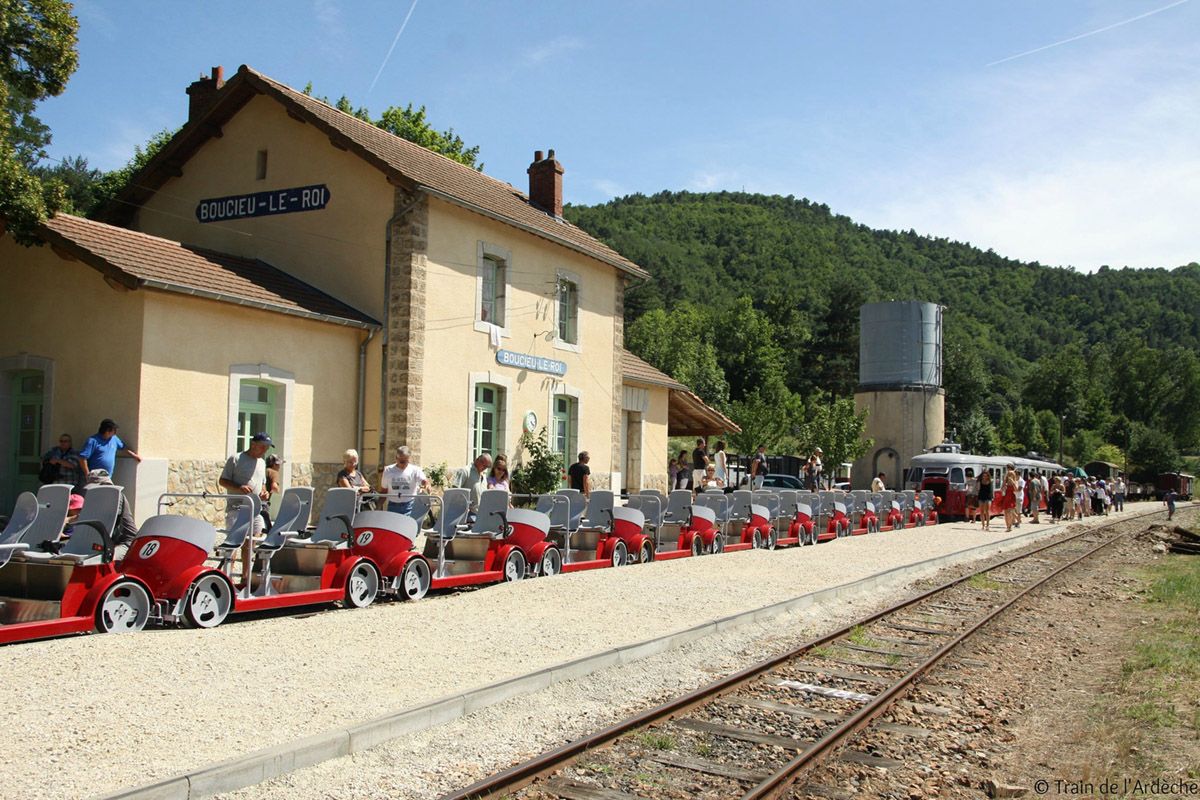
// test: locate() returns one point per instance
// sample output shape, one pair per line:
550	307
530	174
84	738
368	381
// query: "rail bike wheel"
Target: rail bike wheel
124	608
551	563
414	579
362	585
209	601
619	554
514	566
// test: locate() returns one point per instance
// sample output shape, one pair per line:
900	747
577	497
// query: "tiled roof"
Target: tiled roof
687	414
635	369
446	176
139	260
439	176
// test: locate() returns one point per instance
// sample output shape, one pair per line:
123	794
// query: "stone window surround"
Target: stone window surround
560	344
505	384
576	394
484	250
286	381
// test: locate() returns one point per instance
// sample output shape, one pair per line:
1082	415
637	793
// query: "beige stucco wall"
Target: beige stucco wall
907	422
63	310
654	438
455	350
189	350
339	249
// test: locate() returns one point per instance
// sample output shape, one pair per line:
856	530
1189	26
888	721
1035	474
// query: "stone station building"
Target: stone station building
282	266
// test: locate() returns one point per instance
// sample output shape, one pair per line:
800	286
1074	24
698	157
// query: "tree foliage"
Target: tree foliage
412	124
1024	344
37	57
539	469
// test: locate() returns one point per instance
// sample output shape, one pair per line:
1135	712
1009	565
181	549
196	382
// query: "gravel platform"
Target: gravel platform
92	714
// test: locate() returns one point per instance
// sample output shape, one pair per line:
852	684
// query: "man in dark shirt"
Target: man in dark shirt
758	467
699	461
579	476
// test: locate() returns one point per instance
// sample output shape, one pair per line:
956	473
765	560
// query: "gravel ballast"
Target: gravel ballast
99	713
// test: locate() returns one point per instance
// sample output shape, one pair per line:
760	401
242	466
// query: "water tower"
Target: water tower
900	384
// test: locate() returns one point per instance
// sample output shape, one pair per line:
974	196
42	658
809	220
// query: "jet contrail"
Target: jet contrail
404	24
1089	33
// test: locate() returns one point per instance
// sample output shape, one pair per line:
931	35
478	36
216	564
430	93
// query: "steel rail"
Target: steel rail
551	761
781	781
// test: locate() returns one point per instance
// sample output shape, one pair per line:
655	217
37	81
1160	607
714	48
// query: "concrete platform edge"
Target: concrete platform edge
271	762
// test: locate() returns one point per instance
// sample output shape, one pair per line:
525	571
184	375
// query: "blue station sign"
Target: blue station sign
535	363
263	204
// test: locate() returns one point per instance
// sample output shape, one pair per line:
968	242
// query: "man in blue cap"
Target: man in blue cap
246	474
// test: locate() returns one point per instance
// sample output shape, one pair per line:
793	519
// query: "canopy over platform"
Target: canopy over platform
687	414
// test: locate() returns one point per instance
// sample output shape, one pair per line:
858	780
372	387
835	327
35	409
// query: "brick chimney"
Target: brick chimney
545	183
203	92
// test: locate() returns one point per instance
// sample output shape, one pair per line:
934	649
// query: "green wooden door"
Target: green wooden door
26	455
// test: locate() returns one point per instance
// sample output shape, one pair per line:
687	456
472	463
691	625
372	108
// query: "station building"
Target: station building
282	266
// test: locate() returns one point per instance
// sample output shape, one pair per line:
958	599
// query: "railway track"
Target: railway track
759	732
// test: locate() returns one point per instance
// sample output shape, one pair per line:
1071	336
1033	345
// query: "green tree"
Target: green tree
1110	453
965	380
1083	445
37	57
675	342
539	472
412	124
1027	433
114	181
835	358
1152	451
79	181
772	422
978	435
749	355
833	425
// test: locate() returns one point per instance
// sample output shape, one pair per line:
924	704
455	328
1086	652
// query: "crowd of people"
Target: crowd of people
1020	494
254	472
91	465
702	471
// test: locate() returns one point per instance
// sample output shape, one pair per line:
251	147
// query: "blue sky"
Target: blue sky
894	113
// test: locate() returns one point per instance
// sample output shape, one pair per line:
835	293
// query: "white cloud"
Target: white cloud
552	49
331	27
1086	163
608	188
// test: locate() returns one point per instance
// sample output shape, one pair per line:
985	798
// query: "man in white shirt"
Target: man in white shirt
402	481
878	485
1119	494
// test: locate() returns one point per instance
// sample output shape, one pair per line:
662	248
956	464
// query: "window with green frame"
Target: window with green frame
487	421
256	411
564	427
568	311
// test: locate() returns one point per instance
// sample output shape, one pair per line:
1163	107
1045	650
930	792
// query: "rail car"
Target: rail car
191	575
50	587
1180	482
181	569
943	470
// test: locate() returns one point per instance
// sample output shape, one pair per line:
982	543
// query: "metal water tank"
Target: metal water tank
900	345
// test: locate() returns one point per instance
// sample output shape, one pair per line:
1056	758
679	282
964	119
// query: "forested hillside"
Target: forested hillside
754	300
